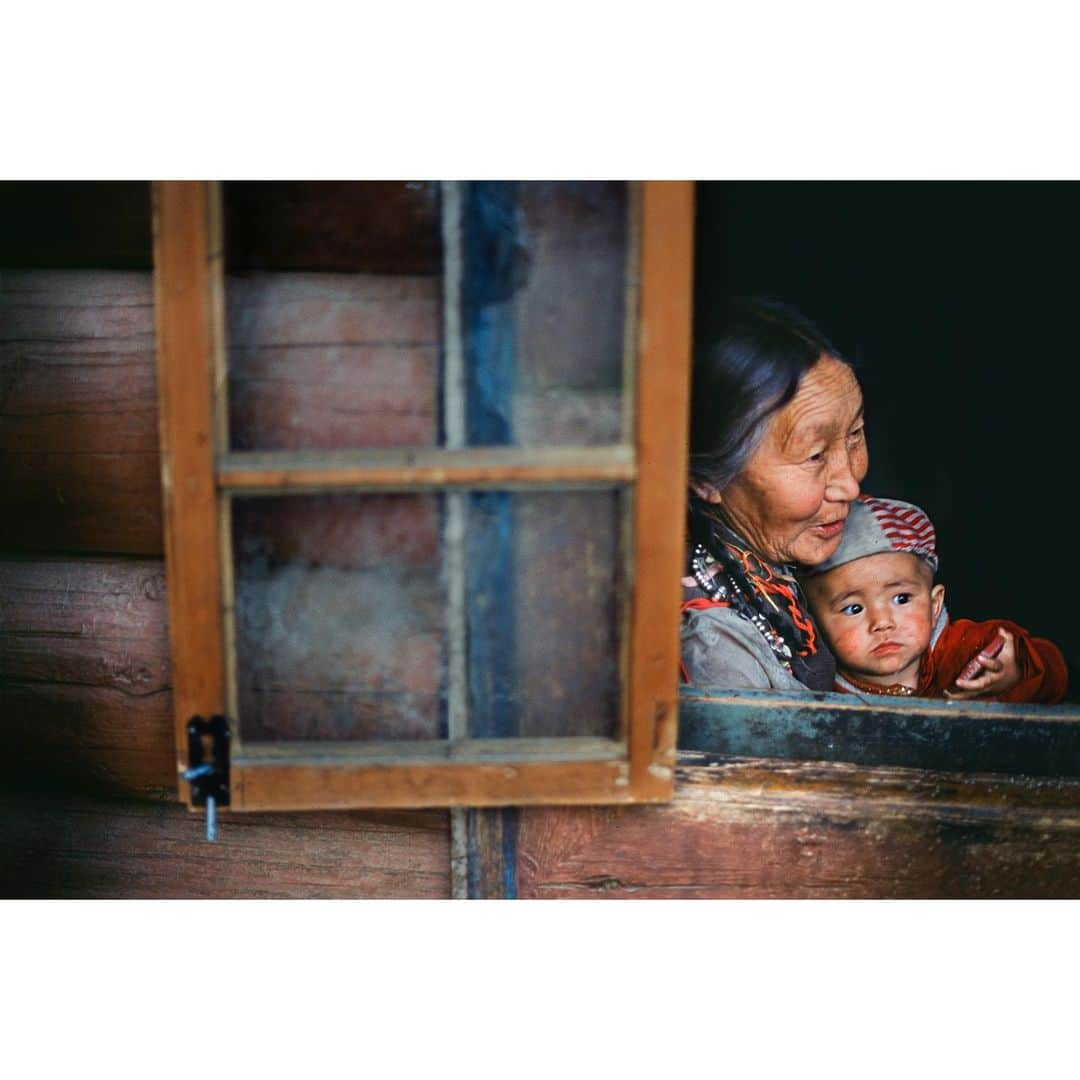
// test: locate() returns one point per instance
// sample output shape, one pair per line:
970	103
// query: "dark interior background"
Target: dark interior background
958	304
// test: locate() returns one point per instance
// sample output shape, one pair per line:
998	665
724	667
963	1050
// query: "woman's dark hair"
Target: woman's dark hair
752	370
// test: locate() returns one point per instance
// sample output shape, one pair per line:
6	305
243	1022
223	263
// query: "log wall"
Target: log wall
771	829
89	775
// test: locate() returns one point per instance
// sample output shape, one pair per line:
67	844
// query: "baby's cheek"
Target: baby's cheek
848	644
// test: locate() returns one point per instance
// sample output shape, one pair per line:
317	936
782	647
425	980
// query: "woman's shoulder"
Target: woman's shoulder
722	649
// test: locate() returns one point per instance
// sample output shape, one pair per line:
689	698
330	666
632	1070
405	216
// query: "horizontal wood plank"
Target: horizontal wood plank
65	846
78	413
919	733
85	677
755	828
333	786
431	751
478	467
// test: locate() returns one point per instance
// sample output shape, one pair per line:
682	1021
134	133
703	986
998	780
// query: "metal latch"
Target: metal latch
209	779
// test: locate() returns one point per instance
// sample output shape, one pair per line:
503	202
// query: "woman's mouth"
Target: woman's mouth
829	530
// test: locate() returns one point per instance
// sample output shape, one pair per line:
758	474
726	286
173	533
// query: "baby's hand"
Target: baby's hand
999	675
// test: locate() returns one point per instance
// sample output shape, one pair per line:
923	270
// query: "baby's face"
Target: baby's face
878	613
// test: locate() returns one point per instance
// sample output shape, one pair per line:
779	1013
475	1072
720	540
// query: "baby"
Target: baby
876	603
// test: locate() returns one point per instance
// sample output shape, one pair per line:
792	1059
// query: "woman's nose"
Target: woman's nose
842	485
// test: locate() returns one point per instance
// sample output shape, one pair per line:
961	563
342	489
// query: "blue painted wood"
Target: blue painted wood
491	853
493	255
914	732
495	258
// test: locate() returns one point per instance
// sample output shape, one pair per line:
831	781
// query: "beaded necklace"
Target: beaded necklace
851	684
728	573
722	586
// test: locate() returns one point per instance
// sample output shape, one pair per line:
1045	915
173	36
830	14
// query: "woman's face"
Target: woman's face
791	500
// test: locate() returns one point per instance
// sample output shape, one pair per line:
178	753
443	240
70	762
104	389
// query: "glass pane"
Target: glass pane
340	617
334	314
348	609
543	311
544	588
335	298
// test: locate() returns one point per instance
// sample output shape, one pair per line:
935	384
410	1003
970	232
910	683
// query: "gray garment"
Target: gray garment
722	650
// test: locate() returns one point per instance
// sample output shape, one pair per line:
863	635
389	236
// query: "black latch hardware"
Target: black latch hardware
209	779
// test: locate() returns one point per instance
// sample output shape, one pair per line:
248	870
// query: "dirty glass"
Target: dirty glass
545	579
340	617
333	298
349	611
543	312
339	297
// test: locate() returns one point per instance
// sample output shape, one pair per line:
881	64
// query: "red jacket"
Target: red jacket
1044	677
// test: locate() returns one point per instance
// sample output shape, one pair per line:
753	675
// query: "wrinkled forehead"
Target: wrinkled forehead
826	403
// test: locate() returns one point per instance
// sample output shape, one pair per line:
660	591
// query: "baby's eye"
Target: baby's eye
901	598
851	609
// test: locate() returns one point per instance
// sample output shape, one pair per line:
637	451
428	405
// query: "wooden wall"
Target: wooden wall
771	829
88	777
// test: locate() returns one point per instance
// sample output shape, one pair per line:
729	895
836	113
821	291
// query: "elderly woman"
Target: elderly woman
777	453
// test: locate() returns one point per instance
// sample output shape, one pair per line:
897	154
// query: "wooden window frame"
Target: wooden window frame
199	476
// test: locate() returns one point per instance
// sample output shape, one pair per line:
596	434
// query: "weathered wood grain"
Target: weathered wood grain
78	413
755	828
64	846
85	676
187	291
667	259
504	467
490	845
920	733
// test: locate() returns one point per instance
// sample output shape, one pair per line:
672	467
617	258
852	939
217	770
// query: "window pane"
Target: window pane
544	588
337	295
333	311
340	617
350	609
543	310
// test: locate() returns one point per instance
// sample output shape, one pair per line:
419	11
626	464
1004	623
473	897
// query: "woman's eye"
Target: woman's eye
851	609
901	598
857	434
816	459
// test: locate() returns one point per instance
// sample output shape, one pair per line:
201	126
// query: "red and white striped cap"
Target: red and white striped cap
875	526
